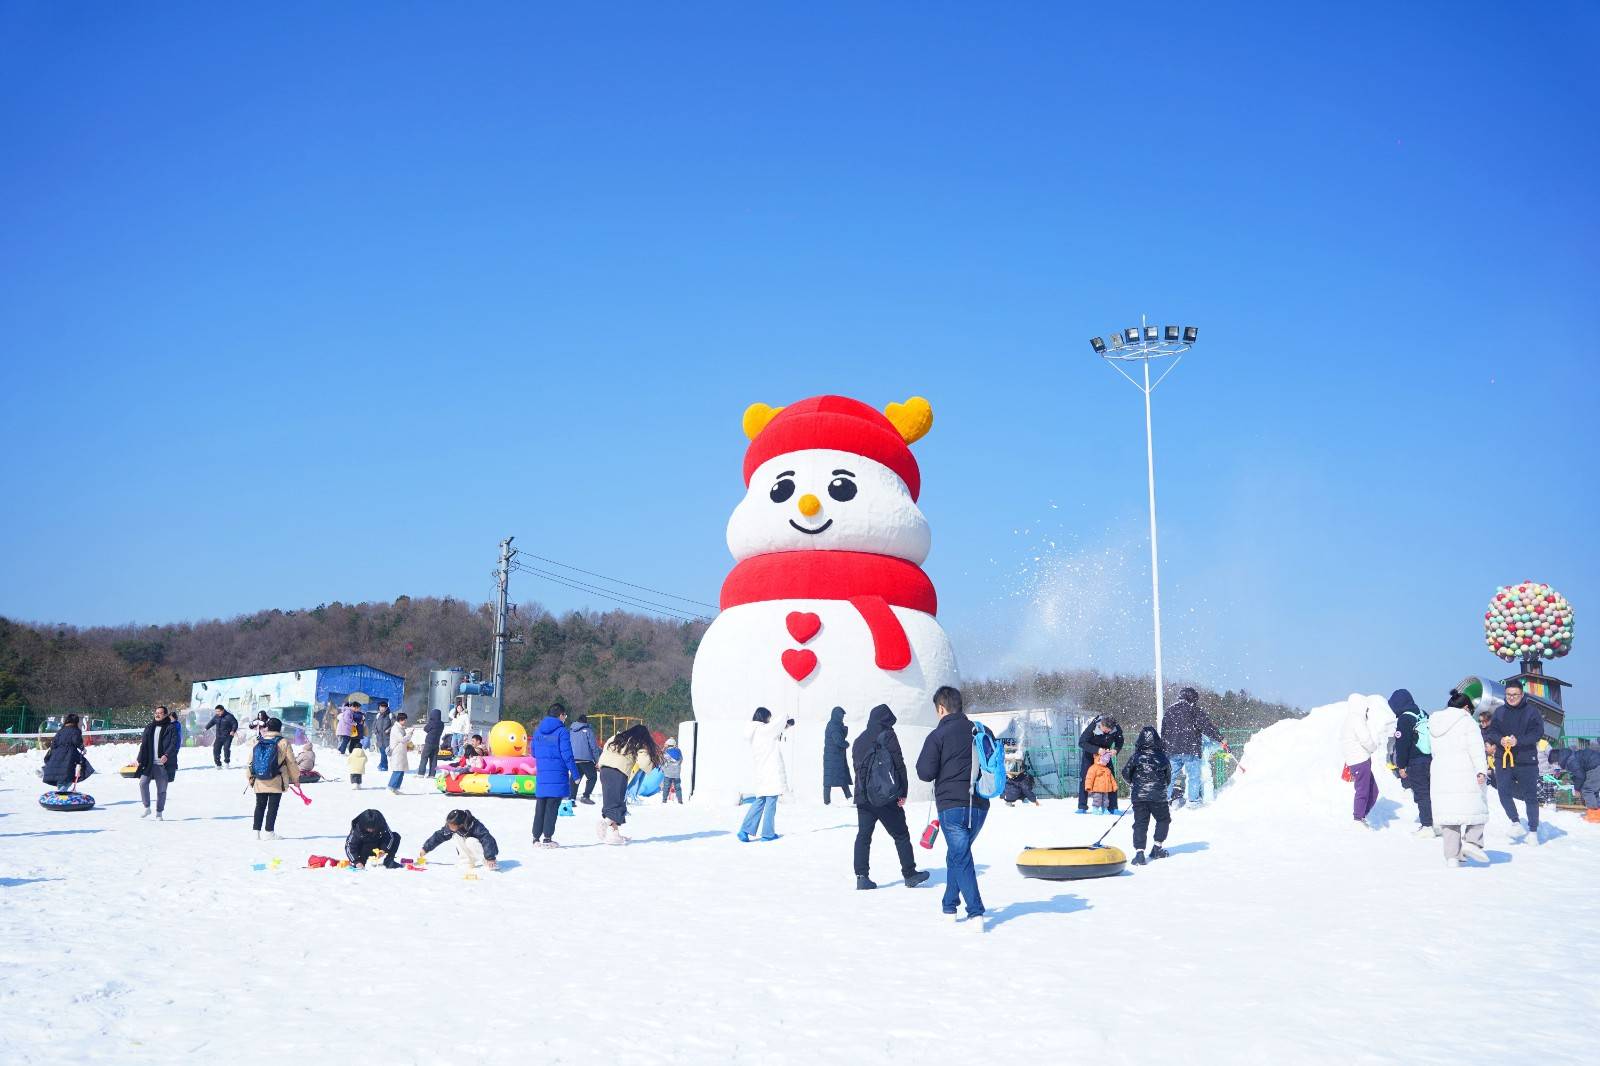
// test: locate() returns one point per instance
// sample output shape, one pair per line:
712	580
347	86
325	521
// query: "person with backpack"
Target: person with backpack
1413	756
1458	780
552	752
585	753
631	751
835	757
947	760
223	726
881	788
1149	776
671	771
381	727
346	727
433	730
1101	734
1184	730
399	746
66	764
474	843
1518	727
157	759
272	770
369	833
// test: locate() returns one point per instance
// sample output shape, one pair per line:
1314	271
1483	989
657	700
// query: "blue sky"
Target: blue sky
306	304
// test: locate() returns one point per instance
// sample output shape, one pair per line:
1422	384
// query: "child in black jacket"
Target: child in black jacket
1149	776
369	832
474	843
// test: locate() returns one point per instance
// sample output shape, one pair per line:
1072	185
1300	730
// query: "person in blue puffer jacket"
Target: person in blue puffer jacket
557	770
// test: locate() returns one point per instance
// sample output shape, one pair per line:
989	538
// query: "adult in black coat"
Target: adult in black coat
1149	776
835	757
1414	767
157	760
946	760
223	726
1517	727
1185	723
876	746
428	764
66	762
1101	733
369	832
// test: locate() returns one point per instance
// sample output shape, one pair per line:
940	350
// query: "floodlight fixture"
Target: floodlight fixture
1190	334
1172	333
1116	340
1152	333
1131	334
1098	345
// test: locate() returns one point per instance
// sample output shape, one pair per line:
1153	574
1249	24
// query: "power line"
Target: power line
618	581
615	597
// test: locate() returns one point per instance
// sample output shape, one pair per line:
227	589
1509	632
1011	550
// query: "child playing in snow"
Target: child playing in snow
1149	776
306	759
1100	783
474	843
369	833
1019	786
357	760
671	770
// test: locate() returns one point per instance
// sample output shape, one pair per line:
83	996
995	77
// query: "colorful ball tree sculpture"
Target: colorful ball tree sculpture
1528	621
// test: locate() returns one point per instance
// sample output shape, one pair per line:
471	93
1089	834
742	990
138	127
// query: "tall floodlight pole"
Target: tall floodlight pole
1144	344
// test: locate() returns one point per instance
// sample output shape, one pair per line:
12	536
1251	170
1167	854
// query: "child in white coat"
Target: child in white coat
1366	724
1459	786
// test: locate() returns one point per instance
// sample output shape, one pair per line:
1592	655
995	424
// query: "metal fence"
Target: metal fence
1064	762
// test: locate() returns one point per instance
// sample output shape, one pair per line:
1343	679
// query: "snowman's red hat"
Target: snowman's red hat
837	423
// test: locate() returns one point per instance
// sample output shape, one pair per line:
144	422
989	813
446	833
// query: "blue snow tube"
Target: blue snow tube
651	783
67	801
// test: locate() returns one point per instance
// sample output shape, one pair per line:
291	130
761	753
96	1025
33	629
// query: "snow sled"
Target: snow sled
310	777
131	770
1071	864
66	801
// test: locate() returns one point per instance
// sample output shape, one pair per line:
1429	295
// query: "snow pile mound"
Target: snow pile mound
1296	766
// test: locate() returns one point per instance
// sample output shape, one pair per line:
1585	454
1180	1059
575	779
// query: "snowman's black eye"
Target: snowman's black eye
842	489
782	490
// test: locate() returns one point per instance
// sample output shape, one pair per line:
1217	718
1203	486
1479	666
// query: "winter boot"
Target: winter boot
159	818
273	836
258	834
586	799
1138	858
863	883
600	828
744	838
1473	852
146	813
915	878
1158	852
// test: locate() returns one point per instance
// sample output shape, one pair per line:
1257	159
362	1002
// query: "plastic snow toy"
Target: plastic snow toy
131	770
66	801
1071	864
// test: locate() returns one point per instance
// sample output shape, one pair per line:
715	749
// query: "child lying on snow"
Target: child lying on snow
474	843
1102	786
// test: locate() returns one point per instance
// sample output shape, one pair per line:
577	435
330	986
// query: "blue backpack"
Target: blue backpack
264	760
1424	744
988	764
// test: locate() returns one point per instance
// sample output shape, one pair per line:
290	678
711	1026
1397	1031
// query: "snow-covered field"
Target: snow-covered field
1276	932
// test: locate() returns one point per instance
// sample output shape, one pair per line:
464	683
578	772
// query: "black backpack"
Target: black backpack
877	784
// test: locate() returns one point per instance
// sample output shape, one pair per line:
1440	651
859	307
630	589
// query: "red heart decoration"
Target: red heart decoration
803	625
799	663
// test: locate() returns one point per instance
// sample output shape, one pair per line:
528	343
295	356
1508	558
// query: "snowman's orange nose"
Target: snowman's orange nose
809	505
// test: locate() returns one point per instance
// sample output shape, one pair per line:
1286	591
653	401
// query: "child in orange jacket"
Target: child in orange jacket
1101	784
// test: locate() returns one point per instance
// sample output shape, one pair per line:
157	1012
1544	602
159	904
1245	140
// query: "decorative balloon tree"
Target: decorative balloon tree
1528	622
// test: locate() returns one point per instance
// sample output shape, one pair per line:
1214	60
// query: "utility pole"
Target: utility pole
502	577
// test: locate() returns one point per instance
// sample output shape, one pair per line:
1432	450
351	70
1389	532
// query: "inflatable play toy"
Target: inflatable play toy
310	777
131	770
827	604
508	738
67	801
488	784
1528	621
1071	864
502	764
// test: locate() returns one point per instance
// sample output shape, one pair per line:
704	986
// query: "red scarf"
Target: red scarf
871	583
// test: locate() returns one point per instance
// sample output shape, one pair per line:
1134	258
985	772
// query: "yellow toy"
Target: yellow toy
508	738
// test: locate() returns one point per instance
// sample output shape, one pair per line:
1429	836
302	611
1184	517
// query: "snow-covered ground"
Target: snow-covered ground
1276	932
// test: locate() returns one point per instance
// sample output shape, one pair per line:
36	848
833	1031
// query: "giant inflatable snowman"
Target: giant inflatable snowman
827	605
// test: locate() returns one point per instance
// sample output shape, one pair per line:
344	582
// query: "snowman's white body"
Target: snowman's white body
739	665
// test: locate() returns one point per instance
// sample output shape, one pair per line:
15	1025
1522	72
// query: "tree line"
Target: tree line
613	662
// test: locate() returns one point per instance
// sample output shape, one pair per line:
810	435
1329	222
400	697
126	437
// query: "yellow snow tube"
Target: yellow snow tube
130	770
1071	864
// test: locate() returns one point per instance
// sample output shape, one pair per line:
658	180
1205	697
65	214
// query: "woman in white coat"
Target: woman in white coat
770	781
1460	773
399	744
1367	723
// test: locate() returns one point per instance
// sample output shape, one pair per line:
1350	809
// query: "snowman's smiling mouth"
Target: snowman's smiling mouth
820	529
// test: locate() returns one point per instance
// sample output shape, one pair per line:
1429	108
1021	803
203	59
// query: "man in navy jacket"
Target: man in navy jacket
1518	727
